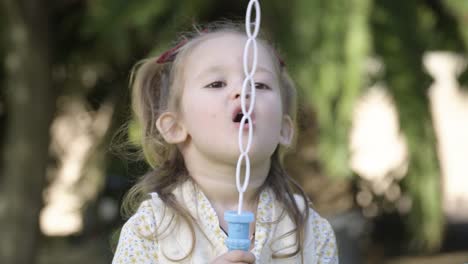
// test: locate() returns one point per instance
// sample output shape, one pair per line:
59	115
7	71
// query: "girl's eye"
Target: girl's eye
217	84
262	86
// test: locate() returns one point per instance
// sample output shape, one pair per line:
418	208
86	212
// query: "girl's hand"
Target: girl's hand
235	256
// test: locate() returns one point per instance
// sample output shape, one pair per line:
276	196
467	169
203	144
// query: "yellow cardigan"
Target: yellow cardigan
153	236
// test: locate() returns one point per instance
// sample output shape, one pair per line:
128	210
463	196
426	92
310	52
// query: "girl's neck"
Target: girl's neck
218	183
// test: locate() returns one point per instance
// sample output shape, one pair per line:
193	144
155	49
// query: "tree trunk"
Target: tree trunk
29	108
401	45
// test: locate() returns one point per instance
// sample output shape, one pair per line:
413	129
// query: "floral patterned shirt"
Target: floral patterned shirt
153	235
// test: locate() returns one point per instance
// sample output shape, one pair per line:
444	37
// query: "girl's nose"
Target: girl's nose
238	95
236	90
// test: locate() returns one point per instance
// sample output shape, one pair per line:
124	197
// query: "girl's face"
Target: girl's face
213	77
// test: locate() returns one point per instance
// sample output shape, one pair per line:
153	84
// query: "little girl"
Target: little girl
187	102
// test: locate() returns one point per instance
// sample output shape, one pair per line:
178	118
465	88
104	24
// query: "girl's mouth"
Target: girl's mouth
237	118
237	115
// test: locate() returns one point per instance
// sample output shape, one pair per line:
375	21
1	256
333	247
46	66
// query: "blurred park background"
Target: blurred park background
383	149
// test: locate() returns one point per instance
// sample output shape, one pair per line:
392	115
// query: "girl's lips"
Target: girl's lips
246	125
237	121
238	110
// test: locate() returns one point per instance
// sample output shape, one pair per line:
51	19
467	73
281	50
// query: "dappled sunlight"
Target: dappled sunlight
377	146
450	113
379	151
76	133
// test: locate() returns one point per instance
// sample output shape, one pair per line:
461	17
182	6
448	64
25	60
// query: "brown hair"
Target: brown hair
155	89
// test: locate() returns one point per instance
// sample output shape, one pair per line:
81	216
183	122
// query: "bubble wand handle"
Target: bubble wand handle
239	222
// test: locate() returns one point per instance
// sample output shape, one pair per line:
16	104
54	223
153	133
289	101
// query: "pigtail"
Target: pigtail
150	83
285	188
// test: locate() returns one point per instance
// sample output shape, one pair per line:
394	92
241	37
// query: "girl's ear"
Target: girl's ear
287	131
170	128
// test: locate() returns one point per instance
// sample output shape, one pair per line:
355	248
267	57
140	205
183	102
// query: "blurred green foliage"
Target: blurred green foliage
327	44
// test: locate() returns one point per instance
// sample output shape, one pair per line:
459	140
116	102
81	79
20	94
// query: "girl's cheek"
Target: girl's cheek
213	116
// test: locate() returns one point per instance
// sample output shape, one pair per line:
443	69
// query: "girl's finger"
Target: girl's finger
240	256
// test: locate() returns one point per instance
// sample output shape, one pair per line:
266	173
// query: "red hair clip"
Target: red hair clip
281	61
169	55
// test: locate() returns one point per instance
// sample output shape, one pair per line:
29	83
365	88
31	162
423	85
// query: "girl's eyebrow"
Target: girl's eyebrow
218	69
213	69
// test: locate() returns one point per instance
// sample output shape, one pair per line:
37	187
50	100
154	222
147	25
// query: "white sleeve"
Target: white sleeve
137	243
321	240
